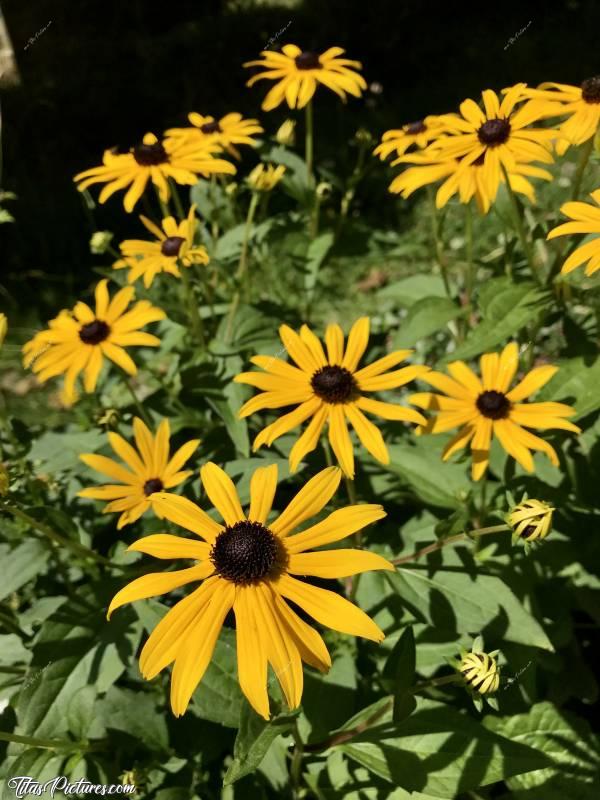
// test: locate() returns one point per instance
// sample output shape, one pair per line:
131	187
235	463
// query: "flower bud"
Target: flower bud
286	134
3	328
480	672
531	520
324	190
100	242
264	177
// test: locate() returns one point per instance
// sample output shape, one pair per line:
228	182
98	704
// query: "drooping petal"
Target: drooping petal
251	658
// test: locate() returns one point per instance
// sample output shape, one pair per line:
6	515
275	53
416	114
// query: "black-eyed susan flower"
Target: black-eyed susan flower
249	564
585	218
148	469
298	73
480	671
531	520
329	388
486	406
414	134
79	340
581	104
154	161
265	177
172	248
498	134
228	131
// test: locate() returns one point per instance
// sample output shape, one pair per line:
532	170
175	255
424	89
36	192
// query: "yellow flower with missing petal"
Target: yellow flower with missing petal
486	406
174	246
249	564
148	469
79	340
329	389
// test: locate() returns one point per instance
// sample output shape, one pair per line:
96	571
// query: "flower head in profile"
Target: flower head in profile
249	563
580	104
328	387
265	177
480	670
173	247
148	469
79	340
226	132
414	134
531	520
298	73
585	218
485	406
154	161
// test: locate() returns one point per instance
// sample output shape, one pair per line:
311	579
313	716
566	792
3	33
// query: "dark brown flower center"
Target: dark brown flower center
590	90
211	127
245	552
172	245
494	132
308	60
94	332
416	127
153	485
493	404
149	155
334	384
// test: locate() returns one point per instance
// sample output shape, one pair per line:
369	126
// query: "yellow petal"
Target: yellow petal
163	545
222	493
108	467
313	497
336	563
251	659
358	339
533	381
338	525
157	583
262	491
183	512
368	433
340	441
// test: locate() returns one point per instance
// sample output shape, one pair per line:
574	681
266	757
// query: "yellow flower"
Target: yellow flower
265	177
286	133
248	564
228	131
580	103
486	406
3	328
153	161
481	672
174	246
466	181
299	72
585	219
497	135
147	471
414	134
329	388
531	520
79	340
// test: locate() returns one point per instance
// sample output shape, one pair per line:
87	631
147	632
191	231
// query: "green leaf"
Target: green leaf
442	485
576	383
399	674
318	251
507	307
424	317
228	411
467	603
566	740
440	751
135	713
410	290
40	765
80	711
60	451
254	739
22	564
219	697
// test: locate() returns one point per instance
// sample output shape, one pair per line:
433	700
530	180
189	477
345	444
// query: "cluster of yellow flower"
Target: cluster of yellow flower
248	562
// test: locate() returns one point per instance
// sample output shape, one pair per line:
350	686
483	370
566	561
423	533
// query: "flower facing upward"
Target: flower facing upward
228	131
248	564
329	388
299	72
585	218
174	246
79	340
155	161
148	470
414	134
498	135
265	177
486	406
531	520
580	103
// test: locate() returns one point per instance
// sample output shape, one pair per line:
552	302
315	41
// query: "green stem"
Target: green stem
327	450
450	540
584	157
193	313
296	762
242	270
469	278
44	529
136	401
437	242
309	143
177	199
518	220
46	744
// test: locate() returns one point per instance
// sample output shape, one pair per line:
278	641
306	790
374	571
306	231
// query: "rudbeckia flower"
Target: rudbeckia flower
265	177
580	103
329	388
531	520
147	471
497	134
414	134
174	246
248	564
79	340
228	131
486	406
480	671
154	161
585	219
299	72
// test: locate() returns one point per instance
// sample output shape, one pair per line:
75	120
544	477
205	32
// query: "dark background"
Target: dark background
103	73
